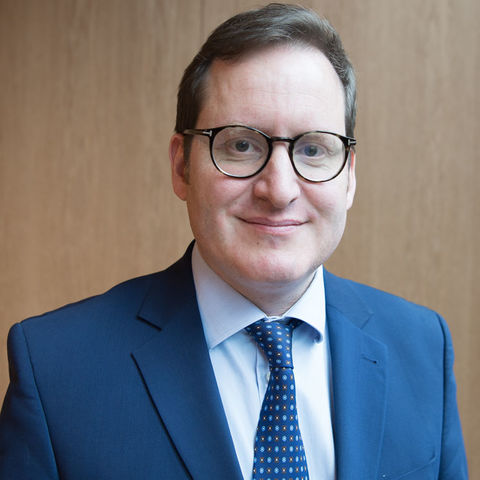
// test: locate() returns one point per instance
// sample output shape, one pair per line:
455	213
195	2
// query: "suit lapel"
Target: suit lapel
177	371
359	372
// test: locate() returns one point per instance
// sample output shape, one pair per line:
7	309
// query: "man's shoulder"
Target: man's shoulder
372	297
383	311
120	301
123	300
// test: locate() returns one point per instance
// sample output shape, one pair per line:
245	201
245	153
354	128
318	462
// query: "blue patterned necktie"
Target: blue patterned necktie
279	452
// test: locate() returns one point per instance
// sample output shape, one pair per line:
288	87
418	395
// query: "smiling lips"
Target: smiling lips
273	227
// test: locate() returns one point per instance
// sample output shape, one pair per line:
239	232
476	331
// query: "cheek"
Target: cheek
210	201
329	203
200	211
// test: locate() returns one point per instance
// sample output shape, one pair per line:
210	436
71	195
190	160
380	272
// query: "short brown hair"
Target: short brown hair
250	31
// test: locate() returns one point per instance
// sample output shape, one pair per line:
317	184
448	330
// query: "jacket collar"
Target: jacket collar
359	377
177	371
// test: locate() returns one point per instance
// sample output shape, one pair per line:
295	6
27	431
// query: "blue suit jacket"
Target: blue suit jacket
120	386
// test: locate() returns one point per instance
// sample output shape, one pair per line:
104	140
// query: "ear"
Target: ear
352	180
178	166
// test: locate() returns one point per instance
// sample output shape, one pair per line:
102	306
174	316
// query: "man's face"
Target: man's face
266	234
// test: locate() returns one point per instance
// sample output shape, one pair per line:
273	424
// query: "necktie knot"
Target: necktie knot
275	340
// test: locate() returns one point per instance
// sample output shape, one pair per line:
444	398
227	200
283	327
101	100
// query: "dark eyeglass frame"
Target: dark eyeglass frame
211	133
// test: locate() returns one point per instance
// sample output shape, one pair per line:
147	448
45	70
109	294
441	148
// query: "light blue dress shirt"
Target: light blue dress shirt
242	371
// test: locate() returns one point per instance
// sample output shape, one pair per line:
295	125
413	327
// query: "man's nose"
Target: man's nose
278	182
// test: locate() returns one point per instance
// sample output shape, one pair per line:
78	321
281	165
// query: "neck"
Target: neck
274	299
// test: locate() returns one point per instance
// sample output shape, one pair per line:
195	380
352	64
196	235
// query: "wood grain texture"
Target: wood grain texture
87	106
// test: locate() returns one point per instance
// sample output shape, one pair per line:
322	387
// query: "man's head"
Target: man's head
265	235
254	30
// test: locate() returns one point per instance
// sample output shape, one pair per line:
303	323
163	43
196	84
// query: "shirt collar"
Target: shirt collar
224	311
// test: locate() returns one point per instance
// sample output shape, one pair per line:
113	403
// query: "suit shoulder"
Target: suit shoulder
119	307
390	299
388	309
124	297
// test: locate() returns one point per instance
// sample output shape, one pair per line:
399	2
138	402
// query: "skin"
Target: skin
266	235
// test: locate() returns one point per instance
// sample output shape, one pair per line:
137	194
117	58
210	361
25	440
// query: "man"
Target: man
180	374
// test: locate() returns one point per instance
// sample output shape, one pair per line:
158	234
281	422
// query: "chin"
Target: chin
272	271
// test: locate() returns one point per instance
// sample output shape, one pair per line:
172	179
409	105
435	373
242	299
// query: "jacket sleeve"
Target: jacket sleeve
453	463
25	448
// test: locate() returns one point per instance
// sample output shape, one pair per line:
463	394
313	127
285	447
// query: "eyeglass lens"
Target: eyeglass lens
242	152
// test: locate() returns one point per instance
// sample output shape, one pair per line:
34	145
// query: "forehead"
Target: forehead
277	89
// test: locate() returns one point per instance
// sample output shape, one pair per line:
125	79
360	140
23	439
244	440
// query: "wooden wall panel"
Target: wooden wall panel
415	227
87	105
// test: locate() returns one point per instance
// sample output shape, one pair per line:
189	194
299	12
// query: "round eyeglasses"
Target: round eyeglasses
241	152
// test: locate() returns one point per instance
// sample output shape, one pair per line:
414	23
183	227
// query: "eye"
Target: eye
239	144
242	146
312	150
318	147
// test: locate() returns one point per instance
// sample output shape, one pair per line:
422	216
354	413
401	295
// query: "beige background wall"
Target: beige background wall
87	99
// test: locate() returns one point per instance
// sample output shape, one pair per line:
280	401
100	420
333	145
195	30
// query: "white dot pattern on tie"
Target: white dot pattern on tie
278	452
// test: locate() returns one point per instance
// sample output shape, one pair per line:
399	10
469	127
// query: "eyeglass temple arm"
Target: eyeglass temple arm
194	131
